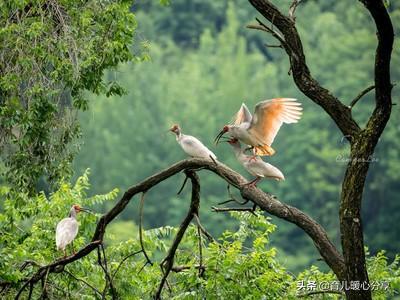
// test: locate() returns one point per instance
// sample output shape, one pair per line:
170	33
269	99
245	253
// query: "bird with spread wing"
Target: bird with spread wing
259	131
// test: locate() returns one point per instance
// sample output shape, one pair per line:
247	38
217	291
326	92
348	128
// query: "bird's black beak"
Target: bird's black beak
219	136
87	210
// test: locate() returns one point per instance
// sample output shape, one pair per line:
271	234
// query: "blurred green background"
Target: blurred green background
203	64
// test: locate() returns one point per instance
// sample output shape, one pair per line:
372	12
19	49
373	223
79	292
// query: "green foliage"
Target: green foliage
27	233
51	52
240	264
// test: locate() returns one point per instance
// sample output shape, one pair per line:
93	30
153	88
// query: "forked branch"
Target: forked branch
265	201
289	38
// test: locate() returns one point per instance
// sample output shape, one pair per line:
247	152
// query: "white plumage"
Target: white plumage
191	145
255	165
67	229
260	130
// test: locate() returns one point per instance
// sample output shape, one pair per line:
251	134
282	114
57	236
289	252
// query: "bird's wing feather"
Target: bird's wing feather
263	169
243	115
193	147
269	115
66	231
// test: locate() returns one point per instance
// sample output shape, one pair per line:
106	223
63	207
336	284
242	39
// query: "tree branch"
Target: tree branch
228	209
265	201
292	9
360	95
362	148
168	261
148	261
83	281
383	85
123	260
301	74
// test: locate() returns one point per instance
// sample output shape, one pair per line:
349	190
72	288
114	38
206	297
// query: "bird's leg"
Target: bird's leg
254	156
72	246
65	253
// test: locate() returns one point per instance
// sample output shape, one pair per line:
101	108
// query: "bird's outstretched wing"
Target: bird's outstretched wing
269	116
243	115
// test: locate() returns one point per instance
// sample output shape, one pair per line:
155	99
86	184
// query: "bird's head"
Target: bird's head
224	130
175	129
79	208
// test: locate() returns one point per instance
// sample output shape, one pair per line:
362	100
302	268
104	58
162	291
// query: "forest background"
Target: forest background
203	63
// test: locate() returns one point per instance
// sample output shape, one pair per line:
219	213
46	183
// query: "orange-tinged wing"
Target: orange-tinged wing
269	115
243	115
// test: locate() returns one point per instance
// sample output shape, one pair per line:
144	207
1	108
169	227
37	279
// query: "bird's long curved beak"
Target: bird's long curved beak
87	210
219	136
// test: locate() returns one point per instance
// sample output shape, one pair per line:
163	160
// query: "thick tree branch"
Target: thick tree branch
362	148
265	201
383	85
301	74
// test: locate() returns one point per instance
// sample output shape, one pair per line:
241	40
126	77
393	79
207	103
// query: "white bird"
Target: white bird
256	167
67	228
191	145
259	130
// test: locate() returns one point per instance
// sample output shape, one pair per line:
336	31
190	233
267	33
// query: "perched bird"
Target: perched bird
259	130
256	167
192	146
67	228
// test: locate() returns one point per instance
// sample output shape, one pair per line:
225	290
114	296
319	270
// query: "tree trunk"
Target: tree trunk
350	220
363	141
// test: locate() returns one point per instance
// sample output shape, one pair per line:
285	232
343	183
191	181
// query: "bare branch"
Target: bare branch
108	278
201	267
265	28
383	85
301	74
360	95
183	185
168	261
292	9
123	260
228	209
273	46
83	281
203	230
148	261
232	198
265	201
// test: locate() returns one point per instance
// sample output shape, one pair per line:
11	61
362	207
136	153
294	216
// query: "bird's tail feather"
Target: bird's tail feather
264	150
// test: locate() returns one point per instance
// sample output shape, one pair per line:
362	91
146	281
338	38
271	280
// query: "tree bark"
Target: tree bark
362	149
362	141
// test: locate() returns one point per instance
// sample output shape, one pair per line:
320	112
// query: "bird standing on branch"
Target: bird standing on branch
191	145
256	167
259	131
67	229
